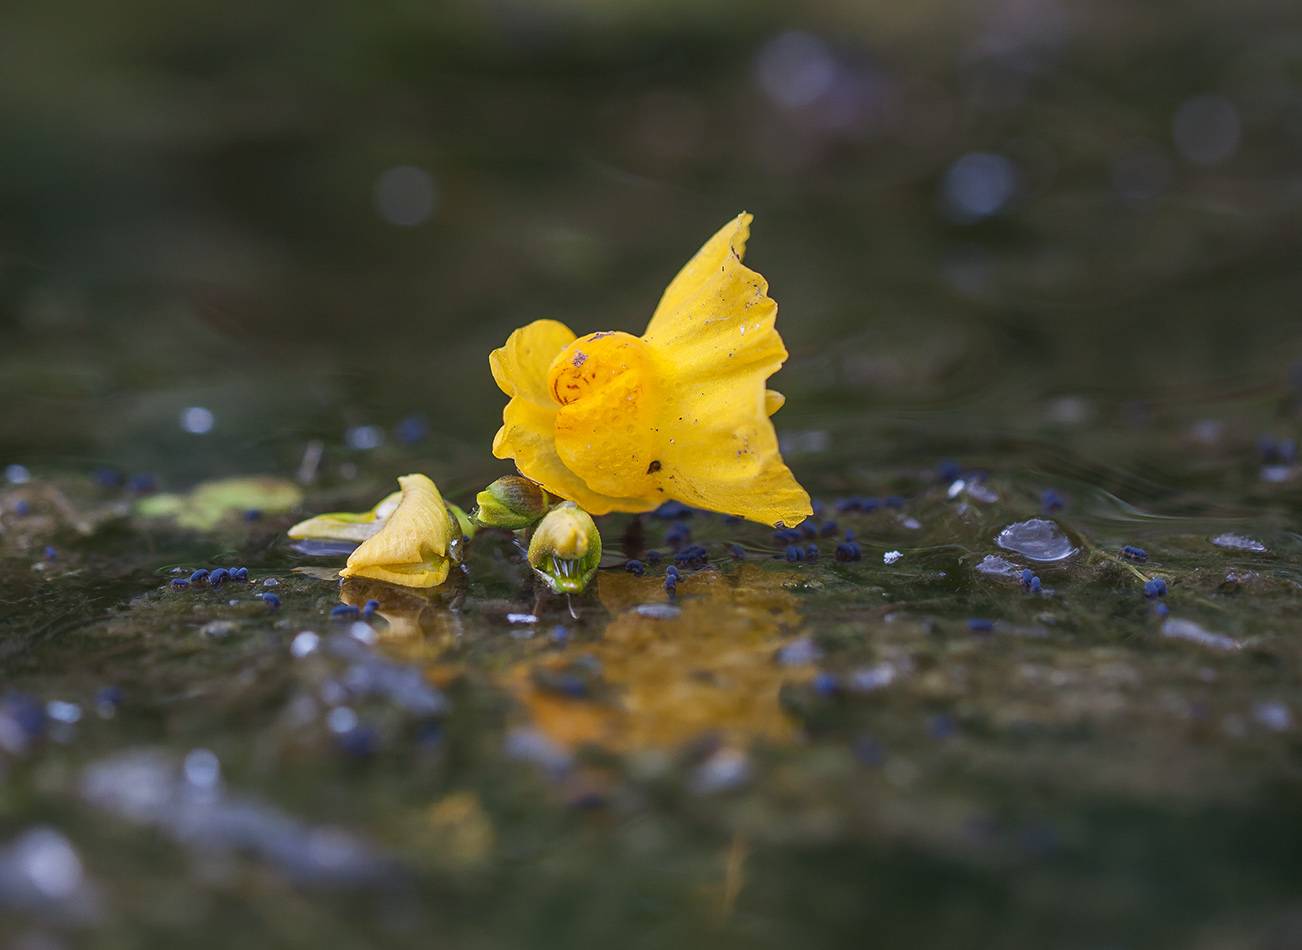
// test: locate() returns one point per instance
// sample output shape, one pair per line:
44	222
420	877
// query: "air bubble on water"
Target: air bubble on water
1234	542
1038	539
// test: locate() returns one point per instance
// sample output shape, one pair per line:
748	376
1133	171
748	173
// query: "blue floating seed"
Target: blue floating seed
1161	609
1155	588
141	484
106	477
179	583
942	727
1035	585
807	529
980	625
672	571
344	613
653	557
240	575
811	552
635	567
369	609
199	578
272	602
826	684
1132	553
50	553
1051	501
218	577
412	429
794	553
1027	574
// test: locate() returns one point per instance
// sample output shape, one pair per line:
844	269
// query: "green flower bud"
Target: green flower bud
566	549
512	503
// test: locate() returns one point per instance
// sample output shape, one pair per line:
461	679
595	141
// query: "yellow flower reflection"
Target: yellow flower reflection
621	423
709	670
416	545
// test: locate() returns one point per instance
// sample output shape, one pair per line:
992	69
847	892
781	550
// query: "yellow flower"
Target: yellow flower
616	422
416	545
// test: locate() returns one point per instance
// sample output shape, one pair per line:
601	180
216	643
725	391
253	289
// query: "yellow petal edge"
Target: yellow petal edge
617	423
412	546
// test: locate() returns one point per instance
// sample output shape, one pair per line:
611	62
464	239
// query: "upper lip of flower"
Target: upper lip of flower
621	423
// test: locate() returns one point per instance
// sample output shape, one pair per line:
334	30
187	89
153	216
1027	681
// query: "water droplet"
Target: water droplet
1038	539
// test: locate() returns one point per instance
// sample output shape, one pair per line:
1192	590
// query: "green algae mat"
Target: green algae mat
1027	676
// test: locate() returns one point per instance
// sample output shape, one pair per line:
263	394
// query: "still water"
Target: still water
1037	270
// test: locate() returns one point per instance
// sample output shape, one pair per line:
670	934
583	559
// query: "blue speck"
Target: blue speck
848	551
1132	553
253	514
672	571
272	601
1155	588
368	610
794	553
672	510
1161	609
412	430
22	508
199	578
671	581
106	477
179	583
807	529
849	535
1051	501
1027	574
560	634
738	552
50	553
362	741
948	470
869	751
829	529
980	625
109	696
240	575
218	577
142	484
344	613
893	501
942	727
429	734
826	684
817	507
653	557
1035	585
635	567
811	552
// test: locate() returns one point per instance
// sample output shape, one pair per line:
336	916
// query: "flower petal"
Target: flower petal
528	433
715	345
412	547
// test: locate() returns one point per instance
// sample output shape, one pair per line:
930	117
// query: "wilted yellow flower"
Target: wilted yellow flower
616	422
416	545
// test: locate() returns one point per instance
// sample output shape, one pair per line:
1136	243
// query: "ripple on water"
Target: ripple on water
1038	539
